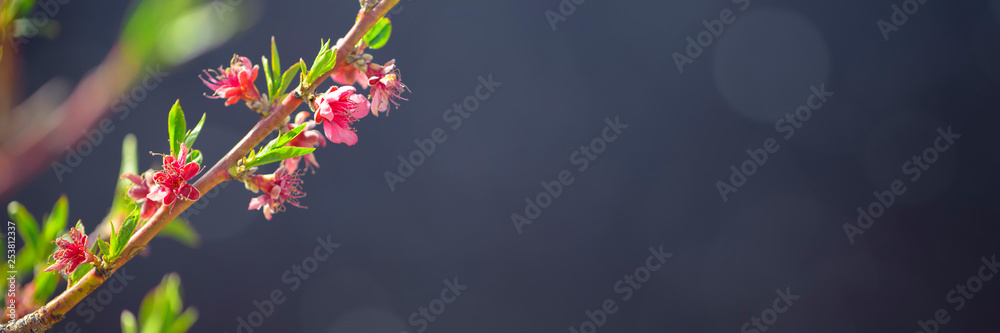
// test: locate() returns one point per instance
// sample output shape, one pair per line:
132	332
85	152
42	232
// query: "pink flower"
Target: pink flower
234	83
71	253
339	107
308	138
140	190
348	75
171	183
279	188
385	86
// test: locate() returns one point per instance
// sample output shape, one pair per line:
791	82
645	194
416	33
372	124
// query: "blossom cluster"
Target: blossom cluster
334	110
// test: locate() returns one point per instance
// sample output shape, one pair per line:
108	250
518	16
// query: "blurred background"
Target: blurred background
559	76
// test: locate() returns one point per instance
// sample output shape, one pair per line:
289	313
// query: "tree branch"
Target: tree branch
56	309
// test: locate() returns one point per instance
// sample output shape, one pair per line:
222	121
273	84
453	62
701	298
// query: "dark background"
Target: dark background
653	186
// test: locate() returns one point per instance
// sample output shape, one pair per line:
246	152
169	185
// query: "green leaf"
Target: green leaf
120	239
325	61
284	139
105	248
56	221
192	135
144	25
277	155
121	203
267	75
194	156
27	259
150	304
181	231
26	225
275	60
79	226
172	294
177	126
45	285
303	71
286	79
379	34
184	322
79	273
128	322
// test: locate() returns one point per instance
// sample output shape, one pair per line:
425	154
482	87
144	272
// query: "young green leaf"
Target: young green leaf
145	22
302	70
277	155
121	203
79	273
275	60
56	221
45	285
184	322
194	156
181	231
192	135
284	139
267	76
176	126
121	238
325	61
104	247
286	80
26	225
378	35
27	259
128	322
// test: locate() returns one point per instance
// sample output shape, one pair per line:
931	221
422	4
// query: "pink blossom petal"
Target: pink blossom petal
362	106
135	179
58	266
157	193
148	208
189	170
257	202
337	134
169	199
189	192
342	92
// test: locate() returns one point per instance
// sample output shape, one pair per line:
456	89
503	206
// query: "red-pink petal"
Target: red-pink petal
342	92
362	106
158	193
189	170
189	192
